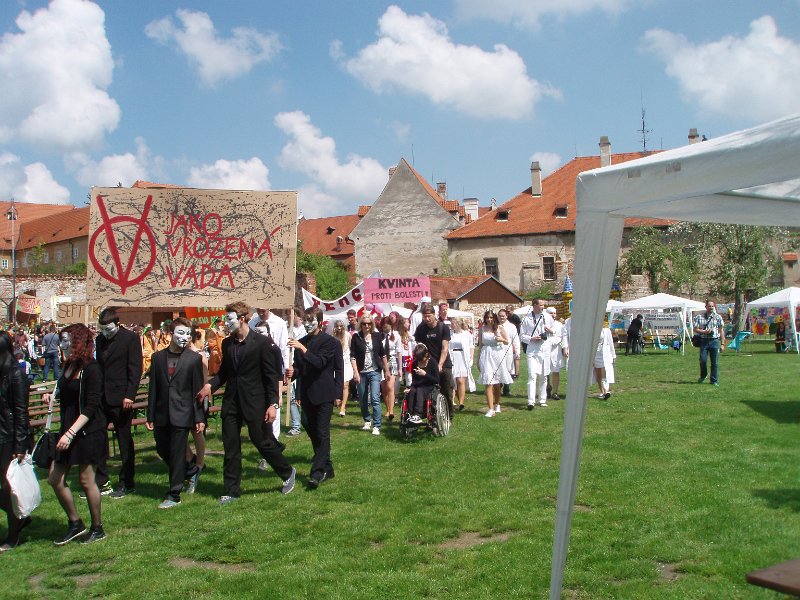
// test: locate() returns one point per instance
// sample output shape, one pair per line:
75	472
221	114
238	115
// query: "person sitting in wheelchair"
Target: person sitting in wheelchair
424	379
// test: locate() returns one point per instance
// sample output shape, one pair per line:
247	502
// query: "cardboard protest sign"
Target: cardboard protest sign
396	290
204	315
74	312
28	304
191	247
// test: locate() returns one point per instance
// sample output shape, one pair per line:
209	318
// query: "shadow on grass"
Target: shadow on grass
784	498
780	411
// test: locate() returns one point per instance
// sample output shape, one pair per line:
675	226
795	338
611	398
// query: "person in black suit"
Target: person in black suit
119	355
176	376
319	371
250	373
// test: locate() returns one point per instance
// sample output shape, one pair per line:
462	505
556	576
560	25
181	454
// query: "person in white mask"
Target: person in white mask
176	376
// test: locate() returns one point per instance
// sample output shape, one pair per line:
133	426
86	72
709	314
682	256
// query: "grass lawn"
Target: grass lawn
683	489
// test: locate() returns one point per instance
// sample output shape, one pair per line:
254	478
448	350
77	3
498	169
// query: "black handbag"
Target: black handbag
45	450
696	340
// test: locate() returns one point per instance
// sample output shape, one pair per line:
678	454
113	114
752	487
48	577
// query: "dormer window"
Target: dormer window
561	212
502	215
331	230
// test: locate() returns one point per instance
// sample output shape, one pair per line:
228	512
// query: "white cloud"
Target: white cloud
755	77
415	54
29	183
401	130
358	180
313	203
215	58
231	175
548	161
53	76
114	169
531	14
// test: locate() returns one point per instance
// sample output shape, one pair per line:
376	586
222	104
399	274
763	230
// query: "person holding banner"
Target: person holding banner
250	374
318	373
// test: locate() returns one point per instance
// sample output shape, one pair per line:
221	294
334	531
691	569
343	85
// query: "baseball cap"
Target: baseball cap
425	299
551	310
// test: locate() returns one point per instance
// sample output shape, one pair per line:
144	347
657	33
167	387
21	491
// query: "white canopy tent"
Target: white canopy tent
748	177
788	298
667	302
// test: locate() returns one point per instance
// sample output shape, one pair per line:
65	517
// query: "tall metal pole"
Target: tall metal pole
11	215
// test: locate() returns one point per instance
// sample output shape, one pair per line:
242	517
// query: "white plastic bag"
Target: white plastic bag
25	492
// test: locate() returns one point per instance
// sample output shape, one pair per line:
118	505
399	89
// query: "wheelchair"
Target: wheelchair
437	416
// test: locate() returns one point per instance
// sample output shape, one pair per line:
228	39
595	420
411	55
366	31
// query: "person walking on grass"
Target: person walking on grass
176	376
83	440
250	374
368	358
319	374
711	328
604	358
492	347
536	327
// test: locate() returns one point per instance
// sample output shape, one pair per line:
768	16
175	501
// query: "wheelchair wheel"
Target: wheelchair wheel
442	416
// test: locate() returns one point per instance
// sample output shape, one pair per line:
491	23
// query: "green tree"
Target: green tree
77	268
332	278
648	255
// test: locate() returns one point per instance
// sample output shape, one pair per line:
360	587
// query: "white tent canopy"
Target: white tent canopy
788	298
748	177
666	302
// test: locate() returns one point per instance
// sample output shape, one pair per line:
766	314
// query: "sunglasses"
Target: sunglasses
366	323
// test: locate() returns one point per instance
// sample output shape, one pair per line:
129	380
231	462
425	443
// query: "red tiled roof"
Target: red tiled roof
448	288
319	235
363	209
26	211
451	206
55	228
529	214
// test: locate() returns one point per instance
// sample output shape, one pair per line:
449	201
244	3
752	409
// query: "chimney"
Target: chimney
339	240
471	208
494	204
605	151
536	179
391	171
693	137
441	189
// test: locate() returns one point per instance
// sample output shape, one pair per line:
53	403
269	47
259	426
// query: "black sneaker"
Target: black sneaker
314	482
76	529
95	535
121	492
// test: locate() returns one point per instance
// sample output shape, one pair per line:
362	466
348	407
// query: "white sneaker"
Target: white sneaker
543	404
376	431
497	409
490	413
367	426
262	464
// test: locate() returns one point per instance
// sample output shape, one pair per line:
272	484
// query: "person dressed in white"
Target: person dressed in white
512	351
492	345
340	333
536	328
461	355
557	358
604	358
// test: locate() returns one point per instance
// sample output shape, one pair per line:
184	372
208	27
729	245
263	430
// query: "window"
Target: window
46	258
75	252
561	212
502	215
549	268
4	263
59	255
490	267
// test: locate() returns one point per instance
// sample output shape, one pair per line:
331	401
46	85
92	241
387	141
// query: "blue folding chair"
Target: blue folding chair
736	343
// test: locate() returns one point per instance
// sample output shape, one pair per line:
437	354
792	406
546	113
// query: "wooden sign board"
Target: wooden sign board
74	312
191	247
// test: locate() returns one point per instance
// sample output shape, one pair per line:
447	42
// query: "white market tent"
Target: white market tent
666	302
747	177
789	299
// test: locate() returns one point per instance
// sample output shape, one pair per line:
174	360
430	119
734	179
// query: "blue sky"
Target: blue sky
324	97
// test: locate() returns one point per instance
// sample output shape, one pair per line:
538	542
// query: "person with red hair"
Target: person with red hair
83	440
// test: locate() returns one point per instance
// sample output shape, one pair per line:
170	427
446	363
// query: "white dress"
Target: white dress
605	354
461	353
557	359
513	335
348	367
492	362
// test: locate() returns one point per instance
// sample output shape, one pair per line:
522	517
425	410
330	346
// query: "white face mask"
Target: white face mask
309	325
262	329
66	344
109	330
182	336
232	322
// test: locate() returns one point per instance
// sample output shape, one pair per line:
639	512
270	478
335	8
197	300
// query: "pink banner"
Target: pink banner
28	304
396	290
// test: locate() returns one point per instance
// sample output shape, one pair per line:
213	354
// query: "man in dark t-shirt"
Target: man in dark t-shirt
436	336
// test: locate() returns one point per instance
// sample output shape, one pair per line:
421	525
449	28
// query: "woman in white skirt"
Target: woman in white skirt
461	355
492	345
557	359
604	358
340	333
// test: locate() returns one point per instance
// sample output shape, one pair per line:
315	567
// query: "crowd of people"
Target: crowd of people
255	355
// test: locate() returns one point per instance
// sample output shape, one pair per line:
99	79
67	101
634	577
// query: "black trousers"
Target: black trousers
446	387
171	443
122	425
262	438
316	420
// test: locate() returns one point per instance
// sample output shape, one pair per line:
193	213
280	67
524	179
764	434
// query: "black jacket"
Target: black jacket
172	401
13	408
320	370
120	360
358	350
